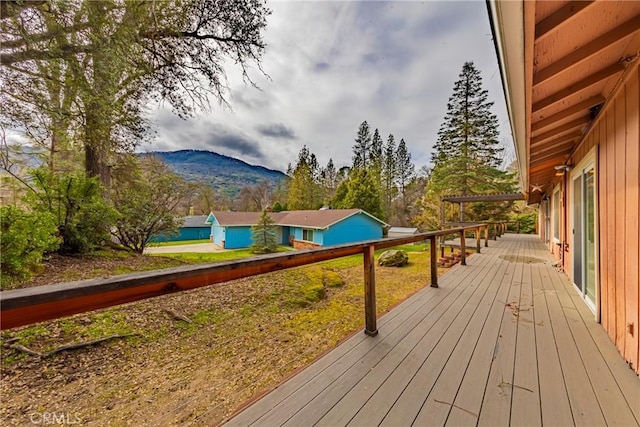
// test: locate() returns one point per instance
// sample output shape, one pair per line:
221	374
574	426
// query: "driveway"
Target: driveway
193	248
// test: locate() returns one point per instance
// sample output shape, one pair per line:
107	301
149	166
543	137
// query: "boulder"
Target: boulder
393	258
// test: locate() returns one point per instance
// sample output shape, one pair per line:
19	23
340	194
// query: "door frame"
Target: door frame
590	159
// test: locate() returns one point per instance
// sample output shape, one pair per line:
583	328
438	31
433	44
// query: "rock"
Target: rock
393	258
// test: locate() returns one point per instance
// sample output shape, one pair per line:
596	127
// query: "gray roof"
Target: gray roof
404	230
195	221
319	219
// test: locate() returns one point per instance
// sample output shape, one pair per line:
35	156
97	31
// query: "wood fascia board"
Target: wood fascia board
588	50
529	49
579	86
507	25
568	112
559	131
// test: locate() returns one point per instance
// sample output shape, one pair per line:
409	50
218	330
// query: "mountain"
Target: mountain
224	174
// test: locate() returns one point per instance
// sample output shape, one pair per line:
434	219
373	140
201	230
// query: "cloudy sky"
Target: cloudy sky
333	65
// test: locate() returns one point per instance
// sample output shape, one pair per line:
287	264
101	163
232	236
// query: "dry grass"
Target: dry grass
244	337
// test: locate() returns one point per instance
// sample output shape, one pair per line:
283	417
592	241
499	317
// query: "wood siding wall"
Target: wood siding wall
617	134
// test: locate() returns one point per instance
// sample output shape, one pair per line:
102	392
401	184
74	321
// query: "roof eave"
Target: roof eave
507	26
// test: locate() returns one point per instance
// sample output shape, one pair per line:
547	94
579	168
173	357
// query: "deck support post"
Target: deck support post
486	236
463	249
371	328
478	239
434	263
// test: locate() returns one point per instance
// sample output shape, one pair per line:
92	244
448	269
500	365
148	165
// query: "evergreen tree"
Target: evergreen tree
405	173
376	150
360	191
329	179
304	189
263	235
467	151
362	147
389	174
470	129
405	169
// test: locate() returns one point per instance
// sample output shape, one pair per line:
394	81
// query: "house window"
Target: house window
307	235
556	216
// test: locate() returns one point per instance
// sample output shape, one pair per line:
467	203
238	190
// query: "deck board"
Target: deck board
505	340
554	401
426	368
525	405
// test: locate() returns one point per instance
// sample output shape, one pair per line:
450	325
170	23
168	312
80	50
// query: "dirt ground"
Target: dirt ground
235	339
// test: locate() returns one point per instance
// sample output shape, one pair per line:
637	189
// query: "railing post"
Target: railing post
371	328
478	239
463	249
486	235
434	262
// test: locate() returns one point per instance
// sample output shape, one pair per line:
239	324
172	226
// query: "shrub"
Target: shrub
24	239
75	202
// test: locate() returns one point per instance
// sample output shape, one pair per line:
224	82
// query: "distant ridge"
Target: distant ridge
223	173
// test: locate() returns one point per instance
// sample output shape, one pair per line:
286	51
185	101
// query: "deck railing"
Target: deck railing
30	305
499	227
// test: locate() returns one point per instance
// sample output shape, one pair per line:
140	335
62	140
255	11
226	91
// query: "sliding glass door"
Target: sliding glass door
584	232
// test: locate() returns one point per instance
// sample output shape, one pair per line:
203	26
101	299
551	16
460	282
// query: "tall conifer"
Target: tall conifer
362	147
389	174
466	156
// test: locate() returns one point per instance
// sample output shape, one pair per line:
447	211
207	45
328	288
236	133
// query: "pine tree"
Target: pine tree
360	191
389	174
263	235
467	151
405	172
304	188
375	154
405	169
329	179
470	129
362	147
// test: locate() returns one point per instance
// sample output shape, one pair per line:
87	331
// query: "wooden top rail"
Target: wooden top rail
25	306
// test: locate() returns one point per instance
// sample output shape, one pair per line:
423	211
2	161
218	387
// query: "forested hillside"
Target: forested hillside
226	175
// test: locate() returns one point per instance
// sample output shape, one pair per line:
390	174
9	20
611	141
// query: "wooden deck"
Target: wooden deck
505	340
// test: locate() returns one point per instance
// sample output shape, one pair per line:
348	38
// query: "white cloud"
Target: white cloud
334	64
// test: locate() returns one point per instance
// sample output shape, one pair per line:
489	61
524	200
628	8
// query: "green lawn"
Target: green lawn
229	255
178	243
226	255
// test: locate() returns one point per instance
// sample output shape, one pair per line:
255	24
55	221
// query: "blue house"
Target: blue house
300	229
194	227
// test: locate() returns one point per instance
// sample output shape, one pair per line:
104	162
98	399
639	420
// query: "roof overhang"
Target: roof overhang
507	26
561	62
